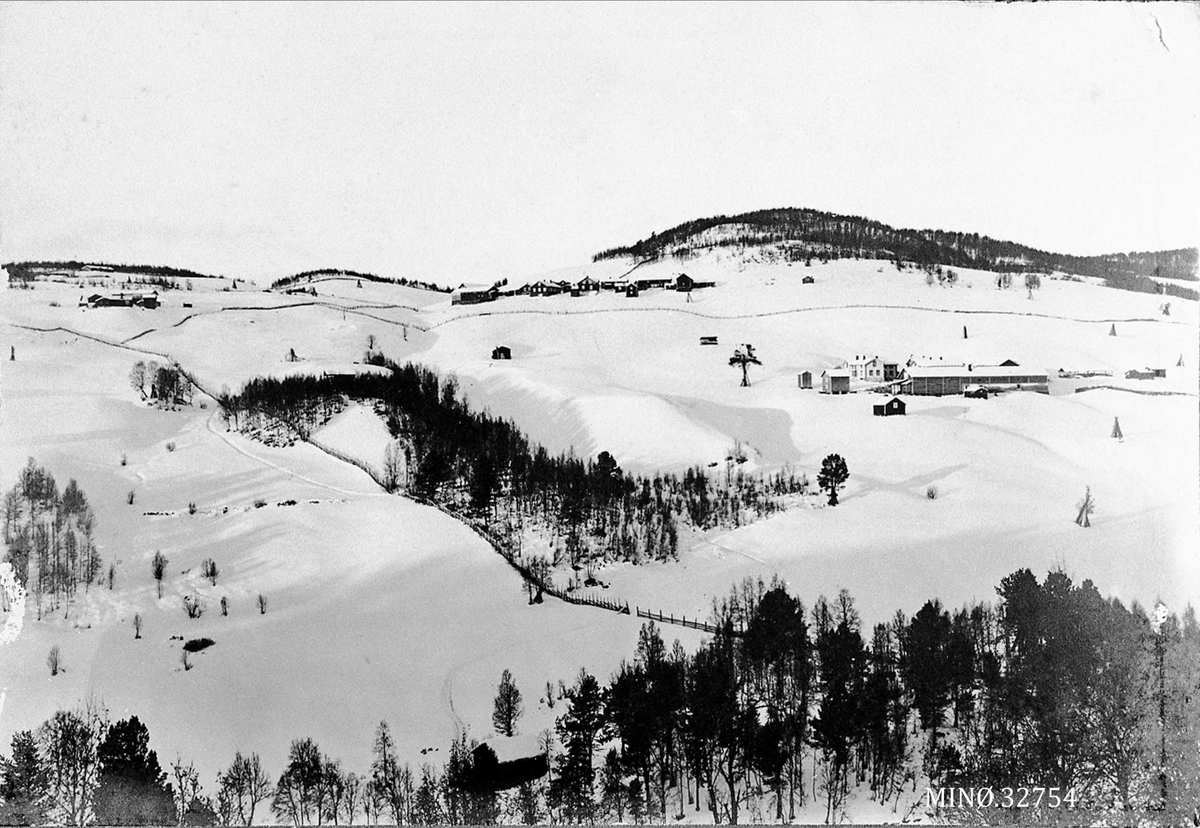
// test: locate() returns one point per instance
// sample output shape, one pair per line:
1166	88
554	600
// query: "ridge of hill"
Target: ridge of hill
30	271
835	235
336	273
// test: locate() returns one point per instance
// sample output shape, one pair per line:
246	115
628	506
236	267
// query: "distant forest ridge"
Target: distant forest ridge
28	271
329	272
863	238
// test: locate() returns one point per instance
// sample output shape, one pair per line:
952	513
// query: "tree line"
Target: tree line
784	707
1055	686
29	271
858	237
288	281
49	536
487	471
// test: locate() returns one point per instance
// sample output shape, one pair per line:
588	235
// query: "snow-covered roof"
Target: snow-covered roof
472	288
836	373
971	370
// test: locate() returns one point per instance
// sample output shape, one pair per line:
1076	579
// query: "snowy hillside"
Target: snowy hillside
381	608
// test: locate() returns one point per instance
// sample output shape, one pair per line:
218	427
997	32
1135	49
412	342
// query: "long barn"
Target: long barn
942	380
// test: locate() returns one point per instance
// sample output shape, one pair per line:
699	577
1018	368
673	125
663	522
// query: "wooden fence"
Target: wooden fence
1134	391
500	546
682	621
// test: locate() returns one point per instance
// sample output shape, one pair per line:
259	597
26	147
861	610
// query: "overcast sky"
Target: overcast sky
465	142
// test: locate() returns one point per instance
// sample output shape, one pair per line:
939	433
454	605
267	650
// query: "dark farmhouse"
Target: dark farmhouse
123	300
547	287
501	352
893	407
473	294
1136	373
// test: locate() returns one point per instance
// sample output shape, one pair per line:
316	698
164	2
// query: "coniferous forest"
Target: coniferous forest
1054	704
486	471
831	235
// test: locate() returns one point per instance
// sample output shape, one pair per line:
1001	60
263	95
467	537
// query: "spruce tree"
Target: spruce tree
133	787
507	708
579	729
23	783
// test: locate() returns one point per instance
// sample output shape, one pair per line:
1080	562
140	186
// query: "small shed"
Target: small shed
708	340
684	282
892	408
805	379
501	352
631	290
1159	372
835	381
808	280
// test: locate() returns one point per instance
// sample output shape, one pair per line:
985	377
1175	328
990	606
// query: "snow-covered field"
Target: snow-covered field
379	608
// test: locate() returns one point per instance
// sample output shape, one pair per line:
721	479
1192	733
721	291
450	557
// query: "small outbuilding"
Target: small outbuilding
631	290
835	381
805	379
708	340
501	352
684	282
808	280
892	408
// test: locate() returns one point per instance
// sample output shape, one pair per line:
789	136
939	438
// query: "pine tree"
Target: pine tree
833	476
23	783
579	729
839	724
133	789
925	665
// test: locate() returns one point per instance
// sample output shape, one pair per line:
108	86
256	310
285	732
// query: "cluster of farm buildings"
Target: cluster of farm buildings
630	285
932	380
937	379
132	299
